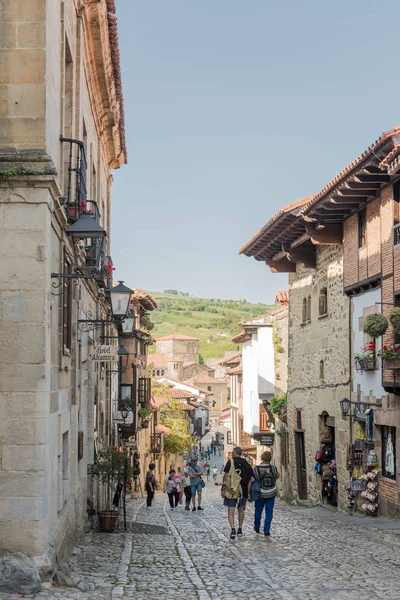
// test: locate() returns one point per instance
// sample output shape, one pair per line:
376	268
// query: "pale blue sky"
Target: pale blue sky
233	109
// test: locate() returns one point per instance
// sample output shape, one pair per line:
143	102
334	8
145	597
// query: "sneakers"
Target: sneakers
257	529
187	507
239	533
172	508
194	509
199	508
149	508
233	533
266	533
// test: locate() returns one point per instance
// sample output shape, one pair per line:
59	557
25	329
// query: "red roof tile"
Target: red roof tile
177	336
282	297
237	357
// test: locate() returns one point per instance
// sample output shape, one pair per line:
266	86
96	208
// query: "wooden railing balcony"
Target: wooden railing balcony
264	418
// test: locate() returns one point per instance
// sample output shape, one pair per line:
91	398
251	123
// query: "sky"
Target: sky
233	109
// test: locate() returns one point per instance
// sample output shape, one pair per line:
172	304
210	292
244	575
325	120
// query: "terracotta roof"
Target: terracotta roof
204	378
236	370
237	357
163	429
178	393
158	360
367	153
177	336
282	297
116	64
145	300
185	406
185	382
389	158
241	337
295	208
199	405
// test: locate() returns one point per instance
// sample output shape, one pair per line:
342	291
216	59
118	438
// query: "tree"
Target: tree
173	416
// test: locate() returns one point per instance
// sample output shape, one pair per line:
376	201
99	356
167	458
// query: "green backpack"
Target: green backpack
232	488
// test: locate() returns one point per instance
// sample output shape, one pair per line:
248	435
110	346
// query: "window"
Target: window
362	228
162	371
298	418
67	308
229	437
309	309
389	452
304	311
158	372
144	389
321	370
396	203
209	388
125	395
323	302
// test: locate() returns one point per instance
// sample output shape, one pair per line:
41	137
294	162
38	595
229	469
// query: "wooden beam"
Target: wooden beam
282	254
299	241
327	236
340	202
359	185
281	266
378	177
307	257
372	170
346	192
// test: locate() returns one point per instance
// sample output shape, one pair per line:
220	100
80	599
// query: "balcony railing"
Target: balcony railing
264	418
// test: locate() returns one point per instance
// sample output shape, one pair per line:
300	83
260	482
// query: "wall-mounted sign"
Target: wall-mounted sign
103	353
267	439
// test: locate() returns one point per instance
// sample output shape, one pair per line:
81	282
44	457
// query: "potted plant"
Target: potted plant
112	467
144	414
394	318
376	325
366	359
390	357
72	212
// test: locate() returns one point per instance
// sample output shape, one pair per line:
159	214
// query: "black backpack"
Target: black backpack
265	476
327	454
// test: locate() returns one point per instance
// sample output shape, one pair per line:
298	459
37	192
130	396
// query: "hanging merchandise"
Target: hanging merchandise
389	459
372	459
370	424
328	453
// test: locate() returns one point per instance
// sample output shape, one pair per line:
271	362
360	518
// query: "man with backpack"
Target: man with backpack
238	477
266	475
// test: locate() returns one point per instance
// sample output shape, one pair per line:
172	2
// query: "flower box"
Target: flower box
72	213
366	364
101	280
391	364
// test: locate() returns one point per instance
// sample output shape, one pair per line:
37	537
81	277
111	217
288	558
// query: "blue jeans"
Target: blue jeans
268	504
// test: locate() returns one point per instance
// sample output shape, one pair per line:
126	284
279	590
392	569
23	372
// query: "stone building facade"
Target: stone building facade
59	77
182	347
340	248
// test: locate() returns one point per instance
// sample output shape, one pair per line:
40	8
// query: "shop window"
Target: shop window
323	302
389	452
362	228
321	370
67	307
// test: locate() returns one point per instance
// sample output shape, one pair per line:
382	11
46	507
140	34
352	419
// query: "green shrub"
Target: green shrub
394	319
376	325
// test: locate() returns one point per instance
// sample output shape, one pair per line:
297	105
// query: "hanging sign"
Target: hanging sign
267	439
103	353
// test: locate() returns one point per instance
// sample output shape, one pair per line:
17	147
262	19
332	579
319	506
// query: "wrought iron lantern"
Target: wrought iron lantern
125	410
120	296
88	233
345	406
128	324
123	358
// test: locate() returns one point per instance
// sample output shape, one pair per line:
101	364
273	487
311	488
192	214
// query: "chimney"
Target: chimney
175	368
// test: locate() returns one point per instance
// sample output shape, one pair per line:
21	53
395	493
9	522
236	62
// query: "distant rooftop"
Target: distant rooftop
177	336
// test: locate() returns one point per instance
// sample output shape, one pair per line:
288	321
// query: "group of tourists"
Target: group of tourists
241	483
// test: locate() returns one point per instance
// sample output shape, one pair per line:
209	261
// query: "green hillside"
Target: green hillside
213	321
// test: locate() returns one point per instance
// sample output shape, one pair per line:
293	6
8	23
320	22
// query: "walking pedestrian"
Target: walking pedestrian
238	476
266	475
215	450
208	470
150	485
197	483
172	485
215	472
187	489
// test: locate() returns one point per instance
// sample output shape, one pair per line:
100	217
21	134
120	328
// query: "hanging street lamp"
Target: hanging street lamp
120	296
128	324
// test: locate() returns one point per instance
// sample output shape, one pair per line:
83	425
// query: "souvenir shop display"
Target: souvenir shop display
325	466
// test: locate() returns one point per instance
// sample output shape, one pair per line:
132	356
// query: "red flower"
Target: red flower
83	205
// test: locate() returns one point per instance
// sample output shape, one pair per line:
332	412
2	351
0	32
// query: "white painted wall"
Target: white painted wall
369	380
258	375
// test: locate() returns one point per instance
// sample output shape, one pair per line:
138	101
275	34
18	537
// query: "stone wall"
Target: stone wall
318	372
186	350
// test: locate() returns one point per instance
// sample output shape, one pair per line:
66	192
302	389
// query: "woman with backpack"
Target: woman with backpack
266	475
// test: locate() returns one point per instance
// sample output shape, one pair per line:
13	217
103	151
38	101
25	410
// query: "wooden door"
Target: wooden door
301	465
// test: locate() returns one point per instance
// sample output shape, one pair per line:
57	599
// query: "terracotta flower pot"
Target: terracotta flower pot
107	520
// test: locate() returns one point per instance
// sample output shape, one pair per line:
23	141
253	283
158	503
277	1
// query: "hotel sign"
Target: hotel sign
100	353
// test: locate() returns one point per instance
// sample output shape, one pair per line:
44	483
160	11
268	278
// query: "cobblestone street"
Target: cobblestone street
312	553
